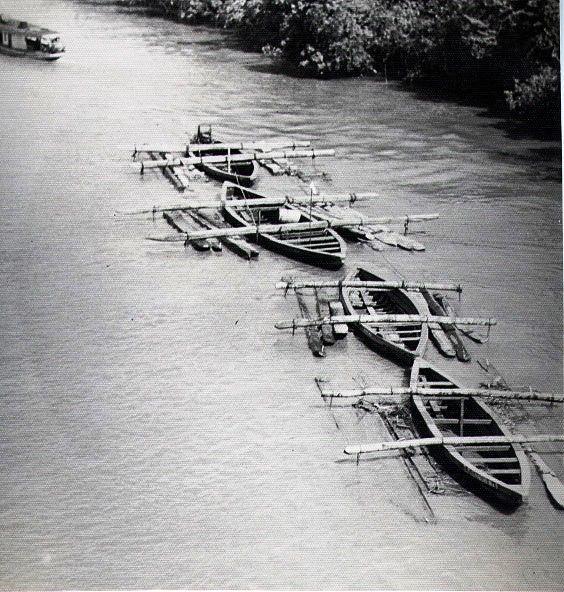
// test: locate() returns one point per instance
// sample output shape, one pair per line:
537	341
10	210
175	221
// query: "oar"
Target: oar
295	284
553	485
220	158
294	226
442	392
450	441
377	319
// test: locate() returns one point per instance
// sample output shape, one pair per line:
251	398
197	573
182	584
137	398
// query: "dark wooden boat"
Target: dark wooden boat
320	247
401	343
499	472
241	173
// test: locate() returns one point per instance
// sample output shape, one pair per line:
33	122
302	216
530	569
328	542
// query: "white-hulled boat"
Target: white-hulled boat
20	38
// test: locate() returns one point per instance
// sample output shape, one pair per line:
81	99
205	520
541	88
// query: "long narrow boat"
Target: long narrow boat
323	247
497	471
402	343
242	173
20	38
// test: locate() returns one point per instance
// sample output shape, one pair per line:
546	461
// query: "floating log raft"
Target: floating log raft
449	329
368	231
179	222
323	311
313	335
443	301
216	245
168	172
237	245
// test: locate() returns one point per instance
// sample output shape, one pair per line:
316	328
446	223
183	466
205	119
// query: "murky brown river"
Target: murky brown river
155	429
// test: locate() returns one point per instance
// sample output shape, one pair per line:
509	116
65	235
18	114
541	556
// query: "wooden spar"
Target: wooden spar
281	201
451	441
252	146
193	160
376	319
294	284
269	201
432	392
319	225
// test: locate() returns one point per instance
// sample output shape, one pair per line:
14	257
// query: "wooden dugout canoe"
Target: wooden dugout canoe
499	472
242	173
401	343
320	247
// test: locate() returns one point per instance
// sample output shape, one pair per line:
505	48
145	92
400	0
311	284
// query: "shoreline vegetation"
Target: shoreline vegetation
500	53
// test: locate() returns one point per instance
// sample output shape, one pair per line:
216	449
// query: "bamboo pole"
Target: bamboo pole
380	318
296	284
220	158
250	146
319	225
451	441
266	201
443	392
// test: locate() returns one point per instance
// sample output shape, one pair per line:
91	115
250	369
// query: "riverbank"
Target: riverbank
501	55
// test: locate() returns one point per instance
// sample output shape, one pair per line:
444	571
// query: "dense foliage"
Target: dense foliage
506	51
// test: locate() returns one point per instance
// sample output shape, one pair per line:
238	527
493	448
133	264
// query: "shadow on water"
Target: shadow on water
514	129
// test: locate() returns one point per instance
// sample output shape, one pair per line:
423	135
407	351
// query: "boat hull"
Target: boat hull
36	55
405	303
319	259
322	248
240	173
459	466
246	180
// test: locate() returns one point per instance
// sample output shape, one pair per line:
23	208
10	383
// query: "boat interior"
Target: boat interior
465	416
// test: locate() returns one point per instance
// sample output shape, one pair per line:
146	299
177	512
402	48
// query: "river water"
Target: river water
156	431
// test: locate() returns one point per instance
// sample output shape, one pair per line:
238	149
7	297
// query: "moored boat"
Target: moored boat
242	173
320	247
20	38
497	471
400	342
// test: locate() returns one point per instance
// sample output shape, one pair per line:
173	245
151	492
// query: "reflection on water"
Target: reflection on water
156	431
